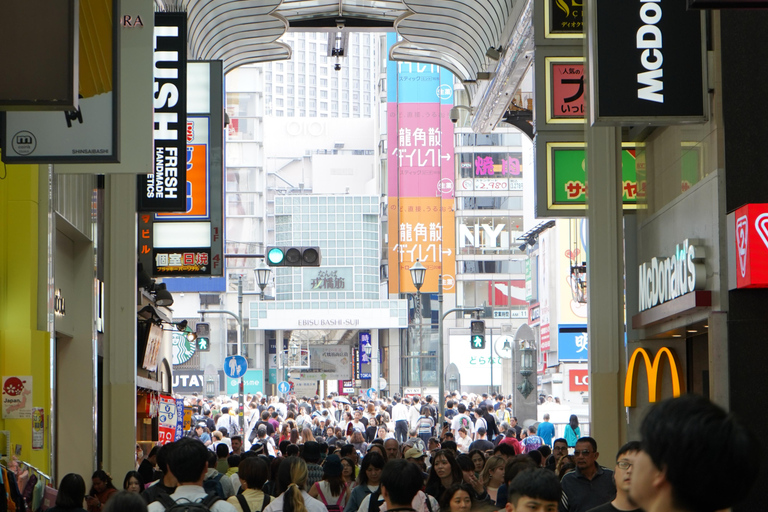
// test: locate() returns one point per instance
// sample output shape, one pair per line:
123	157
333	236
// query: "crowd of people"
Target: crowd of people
359	458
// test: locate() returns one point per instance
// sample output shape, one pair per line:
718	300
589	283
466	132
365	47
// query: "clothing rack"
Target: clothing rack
39	473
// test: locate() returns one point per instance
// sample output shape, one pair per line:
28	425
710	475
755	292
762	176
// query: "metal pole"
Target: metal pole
418	312
440	372
490	390
240	339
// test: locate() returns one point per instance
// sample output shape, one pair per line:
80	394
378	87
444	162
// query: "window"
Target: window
302	79
345	107
290	112
356	96
302	67
290	89
290	79
278	66
323	105
312	92
334	82
278	90
323	94
334	94
301	102
345	84
268	99
334	105
302	91
324	72
279	102
279	78
279	113
268	76
290	66
356	85
312	80
345	95
312	104
323	82
312	47
290	102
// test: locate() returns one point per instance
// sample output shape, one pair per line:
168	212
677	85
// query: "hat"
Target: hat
332	466
413	453
201	424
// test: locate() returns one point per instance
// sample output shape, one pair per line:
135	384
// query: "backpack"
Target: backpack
213	485
334	507
184	505
246	508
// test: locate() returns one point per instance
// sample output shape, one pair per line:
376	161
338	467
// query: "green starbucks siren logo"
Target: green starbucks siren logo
183	349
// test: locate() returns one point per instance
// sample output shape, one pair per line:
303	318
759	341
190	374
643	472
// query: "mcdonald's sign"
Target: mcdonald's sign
652	371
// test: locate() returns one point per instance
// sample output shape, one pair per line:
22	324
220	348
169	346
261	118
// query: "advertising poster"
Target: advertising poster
421	173
17	397
167	419
253	382
333	362
38	428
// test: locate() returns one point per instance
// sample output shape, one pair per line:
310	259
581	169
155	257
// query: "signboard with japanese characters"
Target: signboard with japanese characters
565	90
328	279
563	19
17	397
567	176
421	173
475	364
332	362
572	342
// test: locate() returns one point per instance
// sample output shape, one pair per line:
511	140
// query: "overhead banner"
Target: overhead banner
647	63
333	362
165	188
89	133
421	174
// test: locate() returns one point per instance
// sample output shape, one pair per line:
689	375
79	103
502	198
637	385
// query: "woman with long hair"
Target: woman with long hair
332	489
71	494
367	481
348	472
133	482
572	431
424	425
306	435
294	437
478	459
493	475
457	498
445	471
270	487
253	473
101	490
292	481
285	432
358	441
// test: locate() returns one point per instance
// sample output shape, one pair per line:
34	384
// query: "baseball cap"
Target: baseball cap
413	453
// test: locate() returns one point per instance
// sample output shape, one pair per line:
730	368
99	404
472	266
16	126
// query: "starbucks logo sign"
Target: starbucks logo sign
183	349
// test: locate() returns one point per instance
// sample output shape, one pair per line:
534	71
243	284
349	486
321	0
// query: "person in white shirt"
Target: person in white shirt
479	420
414	412
292	476
461	420
228	421
189	464
400	417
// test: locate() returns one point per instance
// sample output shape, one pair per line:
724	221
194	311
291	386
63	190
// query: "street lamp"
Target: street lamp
418	272
527	366
262	277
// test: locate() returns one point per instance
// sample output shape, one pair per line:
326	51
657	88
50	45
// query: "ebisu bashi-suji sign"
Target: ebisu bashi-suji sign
165	188
752	246
648	62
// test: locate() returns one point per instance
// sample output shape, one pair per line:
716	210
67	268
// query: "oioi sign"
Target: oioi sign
652	373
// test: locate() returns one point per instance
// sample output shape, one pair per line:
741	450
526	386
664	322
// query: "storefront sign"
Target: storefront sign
567	175
665	279
565	89
564	18
182	262
167	419
346	387
578	380
534	315
183	349
649	62
329	362
17	397
572	342
652	372
294	317
544	335
484	236
186	382
752	246
328	279
164	189
253	382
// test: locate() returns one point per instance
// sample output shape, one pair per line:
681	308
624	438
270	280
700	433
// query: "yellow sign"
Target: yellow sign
652	371
187	418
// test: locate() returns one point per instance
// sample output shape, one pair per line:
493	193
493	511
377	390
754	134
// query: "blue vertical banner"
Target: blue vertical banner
365	352
179	419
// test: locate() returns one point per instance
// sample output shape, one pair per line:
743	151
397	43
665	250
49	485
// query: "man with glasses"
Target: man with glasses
590	485
622	476
559	450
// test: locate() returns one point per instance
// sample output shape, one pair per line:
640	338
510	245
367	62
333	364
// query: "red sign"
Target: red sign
752	246
544	330
578	380
567	90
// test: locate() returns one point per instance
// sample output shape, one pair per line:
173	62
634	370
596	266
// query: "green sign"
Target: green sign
183	349
567	186
253	382
478	341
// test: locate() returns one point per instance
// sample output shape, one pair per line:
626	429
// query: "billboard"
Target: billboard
572	342
421	173
164	189
648	63
752	246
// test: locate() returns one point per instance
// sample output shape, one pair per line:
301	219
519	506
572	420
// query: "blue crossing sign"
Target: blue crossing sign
235	366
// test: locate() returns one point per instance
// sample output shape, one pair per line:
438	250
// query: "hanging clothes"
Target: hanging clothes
28	490
37	495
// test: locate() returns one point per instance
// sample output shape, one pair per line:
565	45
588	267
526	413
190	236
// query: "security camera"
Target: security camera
340	24
337	67
454	115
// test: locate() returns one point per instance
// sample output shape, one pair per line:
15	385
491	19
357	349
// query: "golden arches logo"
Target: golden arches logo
652	371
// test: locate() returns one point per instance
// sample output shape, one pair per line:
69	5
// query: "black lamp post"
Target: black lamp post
527	366
418	272
262	277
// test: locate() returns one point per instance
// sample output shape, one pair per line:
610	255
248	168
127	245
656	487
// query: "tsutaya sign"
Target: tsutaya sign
652	372
664	279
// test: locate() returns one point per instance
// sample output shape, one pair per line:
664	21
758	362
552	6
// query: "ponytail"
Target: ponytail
293	500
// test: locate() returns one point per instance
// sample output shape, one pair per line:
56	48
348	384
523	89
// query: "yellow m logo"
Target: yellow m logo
652	370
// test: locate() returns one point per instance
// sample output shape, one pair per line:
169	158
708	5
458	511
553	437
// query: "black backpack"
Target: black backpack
374	504
246	508
213	486
184	505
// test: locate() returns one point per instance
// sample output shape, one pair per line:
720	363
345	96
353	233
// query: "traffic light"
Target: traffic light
293	256
203	331
477	333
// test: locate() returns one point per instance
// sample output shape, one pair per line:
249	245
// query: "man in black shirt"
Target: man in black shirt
622	476
490	420
168	483
262	421
481	442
